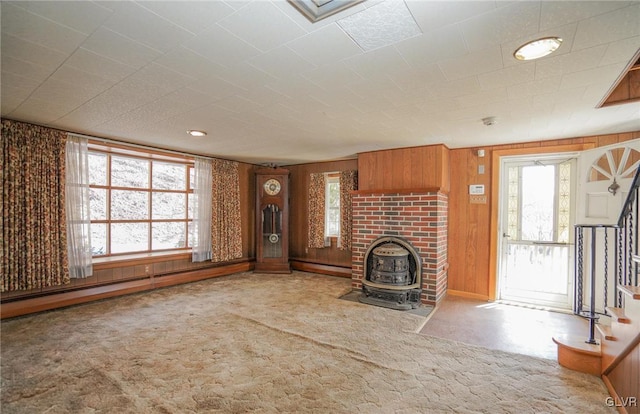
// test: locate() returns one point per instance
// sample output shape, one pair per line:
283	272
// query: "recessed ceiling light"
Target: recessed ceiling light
537	48
196	133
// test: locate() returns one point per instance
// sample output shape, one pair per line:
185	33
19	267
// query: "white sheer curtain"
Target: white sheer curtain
202	189
77	207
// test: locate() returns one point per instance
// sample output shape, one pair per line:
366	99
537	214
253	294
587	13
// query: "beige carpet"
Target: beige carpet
266	344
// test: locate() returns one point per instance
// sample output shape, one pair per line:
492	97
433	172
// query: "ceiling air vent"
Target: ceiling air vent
315	10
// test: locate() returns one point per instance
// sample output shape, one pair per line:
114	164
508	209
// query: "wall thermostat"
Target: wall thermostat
476	189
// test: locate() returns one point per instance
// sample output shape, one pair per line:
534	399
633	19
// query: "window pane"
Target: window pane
538	192
191	206
332	212
129	237
129	172
129	205
168	236
98	203
169	176
192	177
98	239
97	169
333	222
168	205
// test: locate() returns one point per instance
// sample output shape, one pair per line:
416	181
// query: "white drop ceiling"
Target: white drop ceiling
269	86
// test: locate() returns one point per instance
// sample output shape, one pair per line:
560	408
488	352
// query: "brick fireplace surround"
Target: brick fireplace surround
419	217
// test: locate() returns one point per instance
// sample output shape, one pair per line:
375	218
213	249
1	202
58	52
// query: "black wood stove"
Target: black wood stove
392	270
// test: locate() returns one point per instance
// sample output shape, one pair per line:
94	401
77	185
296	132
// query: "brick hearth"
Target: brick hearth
418	217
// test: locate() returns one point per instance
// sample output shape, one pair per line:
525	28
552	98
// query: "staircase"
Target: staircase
608	295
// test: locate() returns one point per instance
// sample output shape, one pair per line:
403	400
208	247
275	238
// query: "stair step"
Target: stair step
632	291
577	344
605	332
574	353
617	314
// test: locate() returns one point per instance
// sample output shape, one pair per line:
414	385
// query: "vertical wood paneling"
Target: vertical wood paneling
404	168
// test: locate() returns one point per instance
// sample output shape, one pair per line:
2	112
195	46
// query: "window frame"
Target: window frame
150	155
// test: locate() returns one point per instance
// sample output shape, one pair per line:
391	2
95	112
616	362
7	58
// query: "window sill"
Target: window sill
138	259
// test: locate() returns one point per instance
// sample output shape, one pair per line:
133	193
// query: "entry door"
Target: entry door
604	178
537	225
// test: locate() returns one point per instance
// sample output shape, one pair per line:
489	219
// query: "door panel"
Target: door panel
537	205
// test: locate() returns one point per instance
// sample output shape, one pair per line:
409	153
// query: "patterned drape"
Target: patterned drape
226	226
317	184
33	226
348	183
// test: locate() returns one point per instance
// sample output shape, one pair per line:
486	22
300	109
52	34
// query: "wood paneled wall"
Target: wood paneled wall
298	218
470	249
405	168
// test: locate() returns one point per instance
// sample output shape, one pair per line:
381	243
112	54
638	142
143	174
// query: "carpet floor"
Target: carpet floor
267	344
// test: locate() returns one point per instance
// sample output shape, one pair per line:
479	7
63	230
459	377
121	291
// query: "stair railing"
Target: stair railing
599	267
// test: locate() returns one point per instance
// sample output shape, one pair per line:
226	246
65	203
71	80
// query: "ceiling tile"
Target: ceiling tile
214	87
569	63
55	92
220	46
535	87
39	111
475	63
384	24
17	81
484	97
30	52
39	30
161	77
418	79
513	75
25	69
195	18
433	46
178	102
585	77
621	51
334	76
75	78
456	88
516	20
611	27
112	45
137	23
272	63
378	64
100	66
262	25
560	13
83	16
324	46
189	63
432	15
295	86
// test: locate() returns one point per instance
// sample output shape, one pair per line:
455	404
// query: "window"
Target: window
332	207
140	202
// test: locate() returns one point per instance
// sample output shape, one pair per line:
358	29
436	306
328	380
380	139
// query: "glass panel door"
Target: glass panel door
537	223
